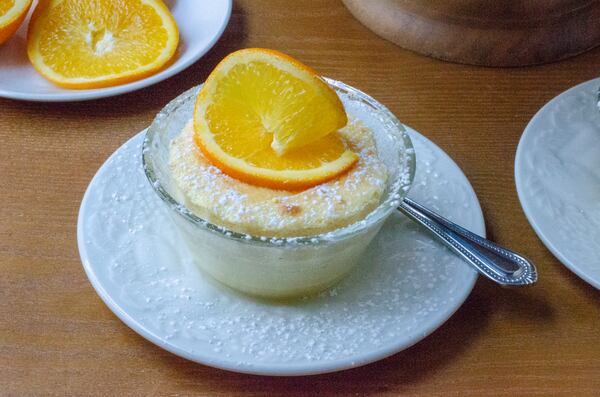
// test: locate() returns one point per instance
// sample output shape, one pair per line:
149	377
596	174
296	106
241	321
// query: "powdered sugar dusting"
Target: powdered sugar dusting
215	196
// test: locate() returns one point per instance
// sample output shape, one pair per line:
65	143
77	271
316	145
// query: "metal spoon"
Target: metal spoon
491	260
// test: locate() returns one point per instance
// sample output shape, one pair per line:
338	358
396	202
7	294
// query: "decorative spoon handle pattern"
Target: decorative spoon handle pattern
491	260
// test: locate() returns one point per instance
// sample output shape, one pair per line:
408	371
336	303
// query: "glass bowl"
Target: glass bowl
276	267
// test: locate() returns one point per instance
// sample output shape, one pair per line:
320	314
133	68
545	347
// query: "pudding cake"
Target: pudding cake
215	196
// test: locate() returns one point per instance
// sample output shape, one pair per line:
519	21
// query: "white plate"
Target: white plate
557	171
409	284
201	23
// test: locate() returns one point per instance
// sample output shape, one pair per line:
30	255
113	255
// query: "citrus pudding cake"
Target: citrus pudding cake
245	208
277	178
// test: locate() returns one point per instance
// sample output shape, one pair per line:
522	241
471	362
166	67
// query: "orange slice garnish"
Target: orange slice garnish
12	14
266	119
100	43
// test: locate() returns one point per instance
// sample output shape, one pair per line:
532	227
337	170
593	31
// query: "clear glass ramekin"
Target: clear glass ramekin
280	267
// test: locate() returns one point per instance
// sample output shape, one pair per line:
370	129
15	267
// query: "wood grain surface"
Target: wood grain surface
58	338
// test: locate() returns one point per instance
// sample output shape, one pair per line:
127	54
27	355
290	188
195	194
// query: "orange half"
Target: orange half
100	43
12	14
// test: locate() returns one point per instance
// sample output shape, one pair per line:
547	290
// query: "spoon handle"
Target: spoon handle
491	260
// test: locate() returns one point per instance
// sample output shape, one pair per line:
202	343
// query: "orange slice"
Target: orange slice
12	14
100	43
266	119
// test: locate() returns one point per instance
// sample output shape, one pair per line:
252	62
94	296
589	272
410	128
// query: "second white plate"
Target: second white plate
407	285
201	23
557	171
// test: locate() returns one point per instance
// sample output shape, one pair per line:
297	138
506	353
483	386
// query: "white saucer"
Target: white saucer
143	272
557	171
201	23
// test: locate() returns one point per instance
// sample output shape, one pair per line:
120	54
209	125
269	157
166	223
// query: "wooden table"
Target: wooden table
58	338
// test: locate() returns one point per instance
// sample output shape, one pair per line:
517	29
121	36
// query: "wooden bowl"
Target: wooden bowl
485	32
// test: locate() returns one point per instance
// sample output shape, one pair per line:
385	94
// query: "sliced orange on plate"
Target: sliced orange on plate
100	43
266	119
12	14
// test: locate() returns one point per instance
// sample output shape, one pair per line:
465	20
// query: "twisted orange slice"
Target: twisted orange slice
100	43
266	119
12	14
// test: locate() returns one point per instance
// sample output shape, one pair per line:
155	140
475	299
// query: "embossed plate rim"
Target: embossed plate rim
288	369
552	246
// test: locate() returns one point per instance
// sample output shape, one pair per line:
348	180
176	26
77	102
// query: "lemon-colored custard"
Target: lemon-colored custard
254	210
